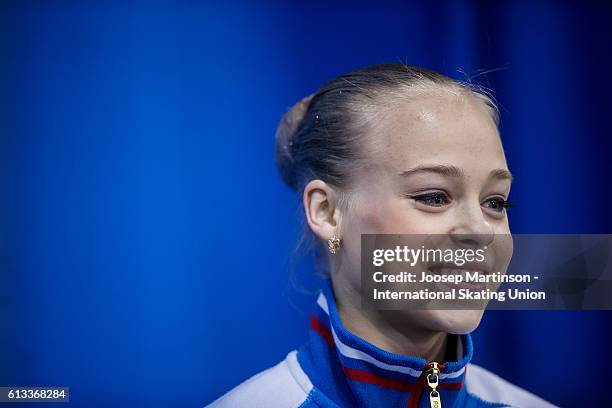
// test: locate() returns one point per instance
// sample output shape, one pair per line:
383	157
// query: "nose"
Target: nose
471	228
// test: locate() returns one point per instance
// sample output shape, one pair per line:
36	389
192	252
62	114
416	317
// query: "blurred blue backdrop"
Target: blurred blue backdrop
137	181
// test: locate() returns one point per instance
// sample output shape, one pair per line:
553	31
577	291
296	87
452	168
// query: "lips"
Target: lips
481	267
447	269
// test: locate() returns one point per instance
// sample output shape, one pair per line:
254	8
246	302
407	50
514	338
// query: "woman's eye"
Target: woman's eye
433	199
497	204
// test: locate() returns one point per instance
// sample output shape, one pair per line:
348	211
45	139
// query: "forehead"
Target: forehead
439	128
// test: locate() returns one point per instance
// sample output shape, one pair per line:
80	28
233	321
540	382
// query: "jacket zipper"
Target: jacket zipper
432	381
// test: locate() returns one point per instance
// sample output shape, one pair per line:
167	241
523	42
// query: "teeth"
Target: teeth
450	270
454	270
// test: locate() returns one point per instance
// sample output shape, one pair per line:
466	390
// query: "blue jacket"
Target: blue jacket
336	368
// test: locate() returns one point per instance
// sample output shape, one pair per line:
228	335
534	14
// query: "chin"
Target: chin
455	321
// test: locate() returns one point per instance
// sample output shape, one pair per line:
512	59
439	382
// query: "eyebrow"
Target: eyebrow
453	171
501	174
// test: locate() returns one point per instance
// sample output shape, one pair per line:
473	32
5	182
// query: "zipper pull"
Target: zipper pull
432	381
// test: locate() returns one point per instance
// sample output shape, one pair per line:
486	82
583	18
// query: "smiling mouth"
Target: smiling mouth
455	269
463	272
481	269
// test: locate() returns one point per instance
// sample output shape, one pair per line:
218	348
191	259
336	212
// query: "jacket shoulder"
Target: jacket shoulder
490	387
283	386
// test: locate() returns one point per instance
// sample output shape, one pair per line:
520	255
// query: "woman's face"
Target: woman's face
437	167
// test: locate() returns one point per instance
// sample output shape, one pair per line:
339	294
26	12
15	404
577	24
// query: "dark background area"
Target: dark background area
145	236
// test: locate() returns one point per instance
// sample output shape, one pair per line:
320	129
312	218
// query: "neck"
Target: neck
393	331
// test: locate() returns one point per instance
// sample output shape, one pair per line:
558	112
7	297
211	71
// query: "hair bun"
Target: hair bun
285	138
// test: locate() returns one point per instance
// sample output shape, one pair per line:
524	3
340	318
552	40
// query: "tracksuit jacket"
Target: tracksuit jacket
336	368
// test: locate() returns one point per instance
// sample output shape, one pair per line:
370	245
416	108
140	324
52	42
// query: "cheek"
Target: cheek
380	216
502	227
396	215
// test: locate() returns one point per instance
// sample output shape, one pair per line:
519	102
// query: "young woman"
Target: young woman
388	149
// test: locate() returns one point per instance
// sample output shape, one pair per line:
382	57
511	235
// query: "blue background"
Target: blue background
137	181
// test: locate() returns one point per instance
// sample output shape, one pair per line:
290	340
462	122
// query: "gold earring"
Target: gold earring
333	244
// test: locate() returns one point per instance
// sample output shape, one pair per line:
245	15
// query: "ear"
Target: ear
320	205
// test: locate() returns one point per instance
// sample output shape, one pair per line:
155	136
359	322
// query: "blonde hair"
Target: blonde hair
320	136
